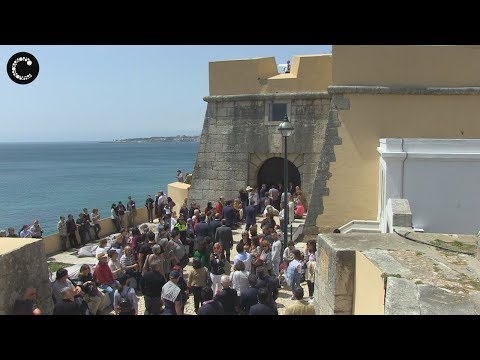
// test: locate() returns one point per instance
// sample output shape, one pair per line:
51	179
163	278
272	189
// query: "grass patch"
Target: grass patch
466	280
419	253
54	266
447	253
456	245
473	283
418	282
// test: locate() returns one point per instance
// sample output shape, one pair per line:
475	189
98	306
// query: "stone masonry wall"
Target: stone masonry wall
334	279
25	266
236	134
322	174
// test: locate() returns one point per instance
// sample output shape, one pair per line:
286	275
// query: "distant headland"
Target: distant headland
157	139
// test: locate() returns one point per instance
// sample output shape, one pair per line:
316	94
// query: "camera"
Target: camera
89	289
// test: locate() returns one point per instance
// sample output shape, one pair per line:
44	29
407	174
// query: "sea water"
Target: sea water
45	180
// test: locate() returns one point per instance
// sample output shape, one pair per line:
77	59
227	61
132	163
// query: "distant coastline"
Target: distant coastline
157	139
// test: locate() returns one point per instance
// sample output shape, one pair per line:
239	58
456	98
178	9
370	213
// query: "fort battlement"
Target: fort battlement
308	73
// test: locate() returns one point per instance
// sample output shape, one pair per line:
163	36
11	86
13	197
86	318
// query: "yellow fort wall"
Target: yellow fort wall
401	111
402	65
353	185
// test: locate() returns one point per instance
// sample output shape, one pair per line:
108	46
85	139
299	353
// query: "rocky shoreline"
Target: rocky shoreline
157	139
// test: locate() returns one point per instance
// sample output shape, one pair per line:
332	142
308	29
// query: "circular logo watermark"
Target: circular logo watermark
23	68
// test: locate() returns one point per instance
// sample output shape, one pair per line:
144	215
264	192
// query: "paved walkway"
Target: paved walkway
284	295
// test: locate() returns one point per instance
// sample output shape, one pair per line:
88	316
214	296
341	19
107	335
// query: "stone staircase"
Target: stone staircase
360	226
295	230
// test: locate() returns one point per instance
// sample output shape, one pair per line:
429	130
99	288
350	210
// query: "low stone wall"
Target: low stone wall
53	244
420	273
23	262
334	279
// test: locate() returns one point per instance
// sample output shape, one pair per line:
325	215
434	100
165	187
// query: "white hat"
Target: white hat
249	188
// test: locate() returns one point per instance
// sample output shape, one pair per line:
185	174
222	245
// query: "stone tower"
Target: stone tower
240	144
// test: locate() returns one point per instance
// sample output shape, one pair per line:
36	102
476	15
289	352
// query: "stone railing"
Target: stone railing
177	191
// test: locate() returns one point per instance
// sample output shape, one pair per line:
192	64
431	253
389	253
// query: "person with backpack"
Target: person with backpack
180	256
125	301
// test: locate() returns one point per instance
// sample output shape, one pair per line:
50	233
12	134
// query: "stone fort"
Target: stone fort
386	142
385	136
341	105
240	144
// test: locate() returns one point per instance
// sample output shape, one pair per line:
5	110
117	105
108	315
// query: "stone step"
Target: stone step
360	226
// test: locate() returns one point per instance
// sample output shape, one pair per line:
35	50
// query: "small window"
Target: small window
279	110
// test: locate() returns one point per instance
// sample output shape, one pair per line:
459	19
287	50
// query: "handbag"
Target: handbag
209	280
227	267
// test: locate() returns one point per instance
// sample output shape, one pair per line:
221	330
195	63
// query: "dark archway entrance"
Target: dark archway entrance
271	172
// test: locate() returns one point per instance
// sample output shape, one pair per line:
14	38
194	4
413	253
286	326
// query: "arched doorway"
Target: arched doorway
271	172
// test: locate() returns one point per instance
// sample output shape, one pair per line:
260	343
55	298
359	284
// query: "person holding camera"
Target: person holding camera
96	300
36	230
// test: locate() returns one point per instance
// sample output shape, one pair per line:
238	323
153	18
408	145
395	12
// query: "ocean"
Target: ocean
45	180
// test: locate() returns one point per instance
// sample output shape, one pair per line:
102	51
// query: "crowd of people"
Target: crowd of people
85	223
153	262
30	231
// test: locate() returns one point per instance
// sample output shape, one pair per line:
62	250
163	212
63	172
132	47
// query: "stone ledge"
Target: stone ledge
401	297
471	90
270	96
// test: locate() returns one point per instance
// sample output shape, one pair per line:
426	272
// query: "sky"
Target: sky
101	93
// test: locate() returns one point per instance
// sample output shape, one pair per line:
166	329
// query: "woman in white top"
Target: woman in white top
114	217
239	278
114	264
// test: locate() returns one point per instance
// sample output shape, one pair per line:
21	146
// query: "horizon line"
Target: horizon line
87	141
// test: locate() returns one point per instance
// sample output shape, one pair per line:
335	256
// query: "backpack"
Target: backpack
84	309
124	305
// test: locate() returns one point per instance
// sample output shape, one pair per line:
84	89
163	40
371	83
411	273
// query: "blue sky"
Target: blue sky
101	93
